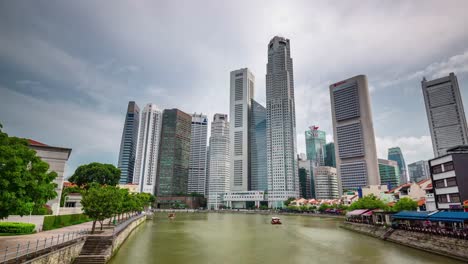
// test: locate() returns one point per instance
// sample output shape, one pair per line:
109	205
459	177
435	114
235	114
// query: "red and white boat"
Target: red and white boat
275	221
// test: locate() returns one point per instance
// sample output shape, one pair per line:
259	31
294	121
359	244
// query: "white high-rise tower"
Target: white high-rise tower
283	179
148	149
219	162
445	113
241	95
197	165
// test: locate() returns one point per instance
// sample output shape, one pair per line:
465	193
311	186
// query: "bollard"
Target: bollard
37	244
6	253
45	242
27	251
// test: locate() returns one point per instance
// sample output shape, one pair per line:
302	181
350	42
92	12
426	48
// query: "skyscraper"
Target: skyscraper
146	165
305	179
330	159
396	155
444	108
128	145
174	153
389	173
197	164
326	183
419	171
241	95
353	130
219	162
283	180
315	146
258	148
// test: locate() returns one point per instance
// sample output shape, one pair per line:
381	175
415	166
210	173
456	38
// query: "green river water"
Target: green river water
241	238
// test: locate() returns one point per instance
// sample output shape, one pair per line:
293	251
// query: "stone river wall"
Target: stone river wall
446	246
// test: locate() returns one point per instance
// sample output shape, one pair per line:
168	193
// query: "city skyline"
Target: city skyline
102	75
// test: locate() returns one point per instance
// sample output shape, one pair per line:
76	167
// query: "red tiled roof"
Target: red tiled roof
422	202
398	187
36	143
423	181
429	186
68	184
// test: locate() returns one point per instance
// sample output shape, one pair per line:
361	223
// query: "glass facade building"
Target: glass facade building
330	159
258	148
389	173
128	145
174	153
198	149
396	155
315	146
419	171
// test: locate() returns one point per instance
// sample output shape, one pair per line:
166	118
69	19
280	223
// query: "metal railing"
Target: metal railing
16	252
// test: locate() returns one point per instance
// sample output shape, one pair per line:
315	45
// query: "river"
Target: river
240	238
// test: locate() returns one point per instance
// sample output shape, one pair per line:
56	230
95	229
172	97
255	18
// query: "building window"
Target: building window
448	166
440	184
454	198
442	198
451	182
437	169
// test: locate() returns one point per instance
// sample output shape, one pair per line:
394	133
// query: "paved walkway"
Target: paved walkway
12	241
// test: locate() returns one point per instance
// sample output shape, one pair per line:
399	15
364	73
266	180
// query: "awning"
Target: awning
449	217
357	212
368	213
411	215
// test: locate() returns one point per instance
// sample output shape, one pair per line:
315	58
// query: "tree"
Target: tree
289	200
101	202
104	174
368	202
24	177
405	204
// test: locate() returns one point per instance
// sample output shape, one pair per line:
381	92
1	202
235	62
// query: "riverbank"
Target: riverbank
261	212
445	246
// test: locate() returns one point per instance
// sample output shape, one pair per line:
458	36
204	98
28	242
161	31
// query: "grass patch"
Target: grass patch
15	228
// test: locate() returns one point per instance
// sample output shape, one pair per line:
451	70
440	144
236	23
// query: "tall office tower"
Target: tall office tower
241	95
356	154
419	171
444	108
283	179
396	155
326	183
174	153
128	145
197	164
258	148
330	160
389	173
315	146
305	179
146	165
207	190
219	180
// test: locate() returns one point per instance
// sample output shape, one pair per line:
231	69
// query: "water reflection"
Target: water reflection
237	238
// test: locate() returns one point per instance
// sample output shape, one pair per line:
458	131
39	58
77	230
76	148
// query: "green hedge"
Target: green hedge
58	221
16	228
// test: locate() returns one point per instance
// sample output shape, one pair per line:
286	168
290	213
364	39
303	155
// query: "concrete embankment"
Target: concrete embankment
446	246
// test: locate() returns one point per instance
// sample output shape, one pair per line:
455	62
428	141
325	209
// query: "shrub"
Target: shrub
58	221
16	228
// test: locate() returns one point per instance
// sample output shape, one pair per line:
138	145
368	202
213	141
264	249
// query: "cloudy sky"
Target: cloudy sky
68	68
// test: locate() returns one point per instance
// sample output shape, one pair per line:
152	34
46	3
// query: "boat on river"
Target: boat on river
275	221
171	215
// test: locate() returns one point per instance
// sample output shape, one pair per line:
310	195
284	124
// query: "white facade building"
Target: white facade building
219	162
445	113
148	149
283	179
356	153
241	95
326	183
197	164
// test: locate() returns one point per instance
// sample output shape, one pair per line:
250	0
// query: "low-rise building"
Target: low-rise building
56	157
326	183
449	174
